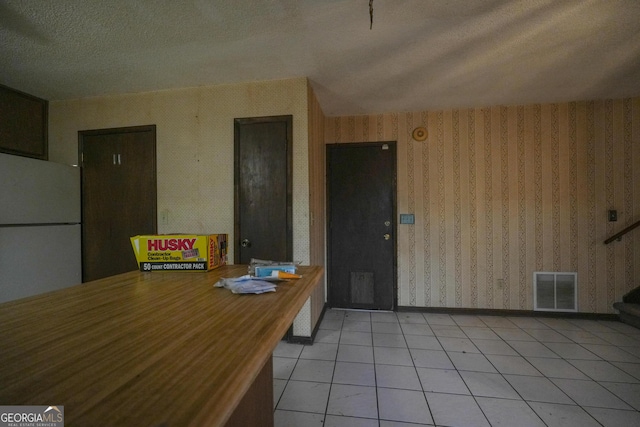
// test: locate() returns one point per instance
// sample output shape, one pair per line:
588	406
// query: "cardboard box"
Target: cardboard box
180	252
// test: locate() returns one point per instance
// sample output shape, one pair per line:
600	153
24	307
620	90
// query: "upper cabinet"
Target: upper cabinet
23	124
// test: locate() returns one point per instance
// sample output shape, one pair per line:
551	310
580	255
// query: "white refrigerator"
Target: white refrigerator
40	230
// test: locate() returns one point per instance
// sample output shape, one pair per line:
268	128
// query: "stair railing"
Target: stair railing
621	233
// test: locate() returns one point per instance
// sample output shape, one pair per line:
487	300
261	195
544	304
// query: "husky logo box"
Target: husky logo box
180	252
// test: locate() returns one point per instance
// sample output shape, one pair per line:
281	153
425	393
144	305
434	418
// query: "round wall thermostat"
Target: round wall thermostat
419	134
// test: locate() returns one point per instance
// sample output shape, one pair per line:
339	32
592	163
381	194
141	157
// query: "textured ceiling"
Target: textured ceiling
420	54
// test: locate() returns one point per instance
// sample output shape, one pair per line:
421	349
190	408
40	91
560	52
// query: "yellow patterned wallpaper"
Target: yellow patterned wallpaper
501	192
497	193
195	147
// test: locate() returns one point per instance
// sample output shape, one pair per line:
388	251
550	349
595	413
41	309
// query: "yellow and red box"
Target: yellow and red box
180	252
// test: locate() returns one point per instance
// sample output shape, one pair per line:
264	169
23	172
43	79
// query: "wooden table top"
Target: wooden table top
144	349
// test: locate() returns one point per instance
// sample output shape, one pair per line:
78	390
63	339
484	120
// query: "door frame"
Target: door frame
394	222
237	123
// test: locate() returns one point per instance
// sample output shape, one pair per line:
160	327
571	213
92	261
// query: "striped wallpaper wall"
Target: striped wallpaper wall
501	192
317	161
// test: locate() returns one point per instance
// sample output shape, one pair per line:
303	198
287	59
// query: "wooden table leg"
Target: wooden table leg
256	407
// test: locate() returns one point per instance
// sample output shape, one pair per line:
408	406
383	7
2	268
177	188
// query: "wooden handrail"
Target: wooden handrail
622	233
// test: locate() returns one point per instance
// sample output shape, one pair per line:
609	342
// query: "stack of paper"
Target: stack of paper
246	285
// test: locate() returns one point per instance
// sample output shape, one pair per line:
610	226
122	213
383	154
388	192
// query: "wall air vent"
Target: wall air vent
554	291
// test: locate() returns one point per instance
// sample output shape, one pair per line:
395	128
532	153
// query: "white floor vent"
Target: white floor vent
554	291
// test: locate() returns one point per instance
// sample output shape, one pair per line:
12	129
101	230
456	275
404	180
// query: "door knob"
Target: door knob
387	236
245	243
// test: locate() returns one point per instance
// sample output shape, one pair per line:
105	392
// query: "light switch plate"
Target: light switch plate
407	219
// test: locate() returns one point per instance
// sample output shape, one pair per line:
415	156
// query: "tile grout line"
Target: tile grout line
335	363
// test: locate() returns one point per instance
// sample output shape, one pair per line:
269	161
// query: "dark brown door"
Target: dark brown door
263	199
361	225
118	197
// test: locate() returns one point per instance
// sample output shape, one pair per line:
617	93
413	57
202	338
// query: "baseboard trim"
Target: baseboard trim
504	312
298	339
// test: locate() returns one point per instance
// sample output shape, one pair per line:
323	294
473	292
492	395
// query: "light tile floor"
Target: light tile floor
384	369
